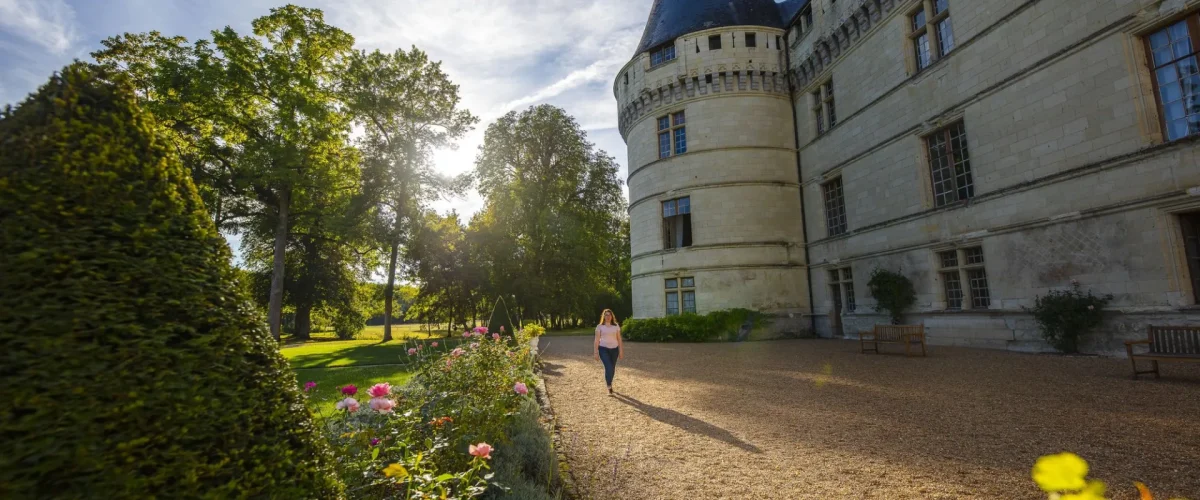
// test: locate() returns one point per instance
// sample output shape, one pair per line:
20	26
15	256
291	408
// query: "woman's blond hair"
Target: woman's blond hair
607	312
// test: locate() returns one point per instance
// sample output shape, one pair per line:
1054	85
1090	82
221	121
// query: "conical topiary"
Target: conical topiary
500	318
131	366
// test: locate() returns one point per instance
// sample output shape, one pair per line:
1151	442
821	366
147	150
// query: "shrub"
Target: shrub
534	330
134	366
717	325
1066	315
893	292
477	393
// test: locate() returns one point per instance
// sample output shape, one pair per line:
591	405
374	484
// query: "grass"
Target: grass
335	364
573	332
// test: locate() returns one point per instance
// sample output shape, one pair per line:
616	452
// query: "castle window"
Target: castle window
714	42
708	79
964	265
835	207
778	42
931	32
677	223
672	130
626	78
950	165
681	295
1191	247
662	55
751	40
823	107
1177	76
841	283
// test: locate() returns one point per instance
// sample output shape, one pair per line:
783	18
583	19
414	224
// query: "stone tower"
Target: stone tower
715	206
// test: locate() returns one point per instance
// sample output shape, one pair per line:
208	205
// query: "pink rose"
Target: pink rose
433	344
501	328
374	441
350	390
495	336
382	405
420	346
308	386
348	404
449	361
466	334
481	450
458	351
412	351
520	388
380	390
481	330
474	345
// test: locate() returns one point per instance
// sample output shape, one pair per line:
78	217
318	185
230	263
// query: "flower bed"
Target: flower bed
464	426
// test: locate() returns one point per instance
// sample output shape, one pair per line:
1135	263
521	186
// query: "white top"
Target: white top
608	335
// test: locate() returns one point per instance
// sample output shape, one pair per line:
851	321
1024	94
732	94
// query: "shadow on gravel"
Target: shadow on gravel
692	425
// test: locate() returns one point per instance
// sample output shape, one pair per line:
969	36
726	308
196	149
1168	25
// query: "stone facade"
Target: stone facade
1054	109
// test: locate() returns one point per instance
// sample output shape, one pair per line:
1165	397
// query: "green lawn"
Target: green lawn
335	364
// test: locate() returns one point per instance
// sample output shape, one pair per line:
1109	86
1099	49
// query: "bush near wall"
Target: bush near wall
133	363
714	326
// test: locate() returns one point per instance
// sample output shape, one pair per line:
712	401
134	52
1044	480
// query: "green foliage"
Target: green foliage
893	292
526	467
1066	315
457	398
133	365
534	330
500	318
714	326
551	231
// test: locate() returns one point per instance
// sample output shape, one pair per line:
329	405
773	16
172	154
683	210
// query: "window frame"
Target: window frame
1189	224
677	212
833	193
931	32
841	282
823	108
717	38
964	273
952	156
679	289
751	39
662	49
673	125
1193	25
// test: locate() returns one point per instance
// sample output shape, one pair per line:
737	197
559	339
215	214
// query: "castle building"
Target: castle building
780	152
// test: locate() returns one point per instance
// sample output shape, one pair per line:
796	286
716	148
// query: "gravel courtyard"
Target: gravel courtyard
816	419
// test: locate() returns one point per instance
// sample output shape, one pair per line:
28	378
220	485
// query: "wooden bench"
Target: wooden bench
1167	343
893	334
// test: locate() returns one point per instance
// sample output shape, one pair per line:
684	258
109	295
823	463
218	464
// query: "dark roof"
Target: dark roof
670	19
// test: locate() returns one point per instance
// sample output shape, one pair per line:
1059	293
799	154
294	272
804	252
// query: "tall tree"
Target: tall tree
552	203
408	107
266	107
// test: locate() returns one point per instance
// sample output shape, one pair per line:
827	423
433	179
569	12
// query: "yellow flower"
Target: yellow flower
1093	491
396	470
1062	472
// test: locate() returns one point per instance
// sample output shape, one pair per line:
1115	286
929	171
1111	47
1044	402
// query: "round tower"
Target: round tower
715	211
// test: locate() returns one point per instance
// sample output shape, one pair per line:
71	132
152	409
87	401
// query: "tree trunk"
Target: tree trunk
389	292
275	309
303	321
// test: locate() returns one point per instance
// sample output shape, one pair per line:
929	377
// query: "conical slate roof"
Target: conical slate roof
670	19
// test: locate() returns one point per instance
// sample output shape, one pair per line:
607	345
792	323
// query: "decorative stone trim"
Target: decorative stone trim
829	46
760	80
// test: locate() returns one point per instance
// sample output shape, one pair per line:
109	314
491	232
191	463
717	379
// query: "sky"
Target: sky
504	54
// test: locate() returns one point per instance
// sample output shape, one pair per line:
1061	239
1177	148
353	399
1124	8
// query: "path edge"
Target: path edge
565	477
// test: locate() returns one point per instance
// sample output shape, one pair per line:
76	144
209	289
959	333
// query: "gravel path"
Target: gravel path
816	419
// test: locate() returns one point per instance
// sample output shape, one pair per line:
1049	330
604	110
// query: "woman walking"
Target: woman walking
608	346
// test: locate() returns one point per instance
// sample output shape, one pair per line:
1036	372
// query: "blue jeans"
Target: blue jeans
608	356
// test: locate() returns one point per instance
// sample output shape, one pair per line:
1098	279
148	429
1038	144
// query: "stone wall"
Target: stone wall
1072	176
739	171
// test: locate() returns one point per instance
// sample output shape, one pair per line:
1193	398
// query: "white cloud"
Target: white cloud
48	23
507	55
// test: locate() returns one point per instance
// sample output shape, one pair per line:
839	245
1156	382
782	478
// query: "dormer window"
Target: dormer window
662	55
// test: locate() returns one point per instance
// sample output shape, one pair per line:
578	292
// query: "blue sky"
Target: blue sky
505	54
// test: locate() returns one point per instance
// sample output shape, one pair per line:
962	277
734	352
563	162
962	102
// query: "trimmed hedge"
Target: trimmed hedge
132	364
714	326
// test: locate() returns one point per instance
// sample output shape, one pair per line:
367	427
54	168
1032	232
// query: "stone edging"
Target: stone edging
570	492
